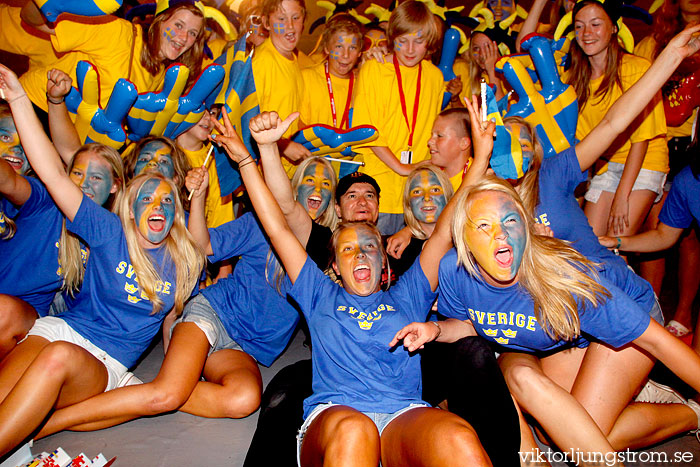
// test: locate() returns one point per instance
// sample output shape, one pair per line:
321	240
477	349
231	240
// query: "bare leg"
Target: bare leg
545	400
17	361
341	436
688	278
641	425
232	389
175	382
16	319
652	267
640	201
528	444
68	374
431	437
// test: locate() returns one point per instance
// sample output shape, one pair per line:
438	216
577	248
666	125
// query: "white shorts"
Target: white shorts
609	180
55	329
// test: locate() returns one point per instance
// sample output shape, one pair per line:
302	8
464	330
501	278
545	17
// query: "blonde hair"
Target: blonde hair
410	218
342	22
556	276
329	218
410	16
269	6
192	58
70	254
475	70
183	252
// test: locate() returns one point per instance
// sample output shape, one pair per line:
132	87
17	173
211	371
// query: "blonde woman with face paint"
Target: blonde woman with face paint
114	318
363	391
548	193
32	222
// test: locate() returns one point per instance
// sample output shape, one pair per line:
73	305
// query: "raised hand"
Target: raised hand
229	139
268	127
59	84
196	181
10	85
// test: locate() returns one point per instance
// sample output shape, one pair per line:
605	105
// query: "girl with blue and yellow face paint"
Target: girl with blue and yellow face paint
10	147
314	192
94	175
154	210
427	196
155	156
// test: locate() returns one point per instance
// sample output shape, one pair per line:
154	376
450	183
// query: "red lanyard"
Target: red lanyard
411	128
346	113
466	167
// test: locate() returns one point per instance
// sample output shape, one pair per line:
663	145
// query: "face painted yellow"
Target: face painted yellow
154	210
427	196
496	236
359	260
314	192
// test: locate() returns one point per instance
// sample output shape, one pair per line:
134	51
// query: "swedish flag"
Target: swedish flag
241	102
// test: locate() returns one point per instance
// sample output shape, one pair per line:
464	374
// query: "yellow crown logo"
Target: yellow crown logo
501	340
510	333
491	332
365	325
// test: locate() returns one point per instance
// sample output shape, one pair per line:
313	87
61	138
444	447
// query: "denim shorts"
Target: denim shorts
381	420
609	180
55	329
200	312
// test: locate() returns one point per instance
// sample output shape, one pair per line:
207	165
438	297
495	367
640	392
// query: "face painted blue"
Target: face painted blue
314	192
154	210
93	175
10	148
155	157
427	196
359	260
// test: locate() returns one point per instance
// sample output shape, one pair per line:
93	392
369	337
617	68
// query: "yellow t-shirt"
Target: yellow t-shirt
456	181
650	125
217	211
108	46
278	83
217	48
17	38
316	100
645	48
377	103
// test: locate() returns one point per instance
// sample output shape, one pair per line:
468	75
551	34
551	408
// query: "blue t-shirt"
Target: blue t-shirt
110	311
558	209
353	364
683	202
254	313
29	267
507	315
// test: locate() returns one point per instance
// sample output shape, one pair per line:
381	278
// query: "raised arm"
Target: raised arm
63	133
41	154
632	102
32	15
530	24
280	186
196	182
12	185
266	129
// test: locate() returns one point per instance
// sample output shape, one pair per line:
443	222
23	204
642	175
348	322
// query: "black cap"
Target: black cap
349	180
611	7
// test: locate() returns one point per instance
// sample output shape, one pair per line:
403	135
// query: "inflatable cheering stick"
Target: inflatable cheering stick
192	105
52	8
551	110
324	139
95	125
450	44
153	110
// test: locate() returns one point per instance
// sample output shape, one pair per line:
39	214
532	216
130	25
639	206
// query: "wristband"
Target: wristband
439	328
240	166
51	101
619	243
14	99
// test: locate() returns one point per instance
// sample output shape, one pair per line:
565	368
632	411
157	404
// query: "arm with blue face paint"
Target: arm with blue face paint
41	154
632	102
